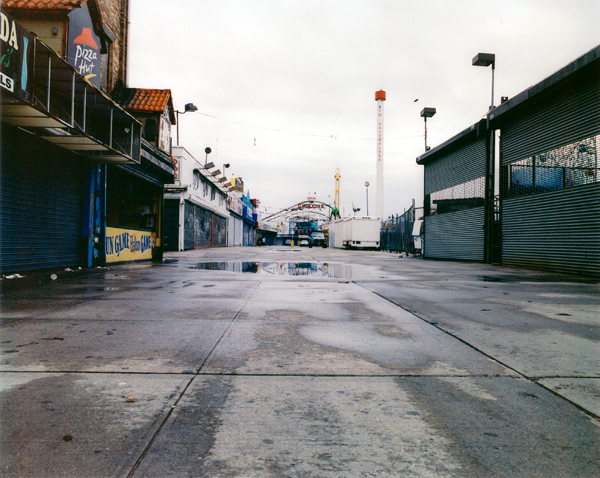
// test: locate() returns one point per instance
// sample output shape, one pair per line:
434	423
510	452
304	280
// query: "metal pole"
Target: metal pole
493	71
110	136
490	182
425	118
367	200
177	127
73	100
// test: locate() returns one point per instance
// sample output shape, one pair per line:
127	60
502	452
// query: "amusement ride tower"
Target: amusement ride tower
379	98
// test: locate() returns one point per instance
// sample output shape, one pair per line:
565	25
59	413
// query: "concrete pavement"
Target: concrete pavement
280	361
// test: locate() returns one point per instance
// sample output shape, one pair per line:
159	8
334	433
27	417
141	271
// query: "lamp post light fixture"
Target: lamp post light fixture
427	113
224	178
207	151
487	59
367	186
188	107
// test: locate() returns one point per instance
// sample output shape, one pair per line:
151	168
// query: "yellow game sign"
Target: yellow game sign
123	245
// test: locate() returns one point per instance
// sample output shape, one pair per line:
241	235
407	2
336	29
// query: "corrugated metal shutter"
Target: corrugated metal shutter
458	167
456	235
239	231
171	225
202	228
41	202
188	226
219	231
567	119
557	230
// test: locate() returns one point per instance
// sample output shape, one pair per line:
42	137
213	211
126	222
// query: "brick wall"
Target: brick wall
115	17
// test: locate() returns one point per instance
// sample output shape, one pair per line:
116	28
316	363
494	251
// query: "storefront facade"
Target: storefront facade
134	207
196	214
235	227
59	133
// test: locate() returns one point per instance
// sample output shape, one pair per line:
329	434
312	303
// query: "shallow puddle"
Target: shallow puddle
313	269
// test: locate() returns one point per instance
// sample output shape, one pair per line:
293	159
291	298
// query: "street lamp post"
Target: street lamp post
489	59
367	186
188	107
427	113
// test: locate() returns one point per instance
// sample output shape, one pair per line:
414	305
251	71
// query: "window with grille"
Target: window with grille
571	165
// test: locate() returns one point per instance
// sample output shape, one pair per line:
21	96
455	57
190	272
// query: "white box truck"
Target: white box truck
355	233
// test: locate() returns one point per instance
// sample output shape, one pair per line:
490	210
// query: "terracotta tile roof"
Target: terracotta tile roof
148	100
42	4
144	100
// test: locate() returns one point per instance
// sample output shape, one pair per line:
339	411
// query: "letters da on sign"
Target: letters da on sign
8	31
16	57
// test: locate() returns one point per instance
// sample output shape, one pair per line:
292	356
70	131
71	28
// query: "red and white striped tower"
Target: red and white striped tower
379	98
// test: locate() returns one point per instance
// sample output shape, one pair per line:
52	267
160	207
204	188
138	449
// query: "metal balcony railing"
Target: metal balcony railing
43	94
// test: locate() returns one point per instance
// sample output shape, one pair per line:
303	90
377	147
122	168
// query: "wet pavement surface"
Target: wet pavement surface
281	362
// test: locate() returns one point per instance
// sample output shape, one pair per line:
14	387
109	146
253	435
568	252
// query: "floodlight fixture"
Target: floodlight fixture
484	59
188	107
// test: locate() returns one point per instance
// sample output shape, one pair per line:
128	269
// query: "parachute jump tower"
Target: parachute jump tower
379	98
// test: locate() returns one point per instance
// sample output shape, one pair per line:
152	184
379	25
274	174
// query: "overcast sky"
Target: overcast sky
285	90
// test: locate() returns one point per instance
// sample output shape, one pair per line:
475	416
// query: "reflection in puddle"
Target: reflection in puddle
313	269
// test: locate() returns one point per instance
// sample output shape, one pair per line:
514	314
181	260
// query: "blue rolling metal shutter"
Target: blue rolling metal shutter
41	202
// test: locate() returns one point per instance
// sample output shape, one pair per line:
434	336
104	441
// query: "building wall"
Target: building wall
115	14
42	27
199	186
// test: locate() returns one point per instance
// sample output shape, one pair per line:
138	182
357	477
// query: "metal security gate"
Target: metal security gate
41	204
396	233
171	225
457	235
550	194
188	225
219	237
203	228
454	206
